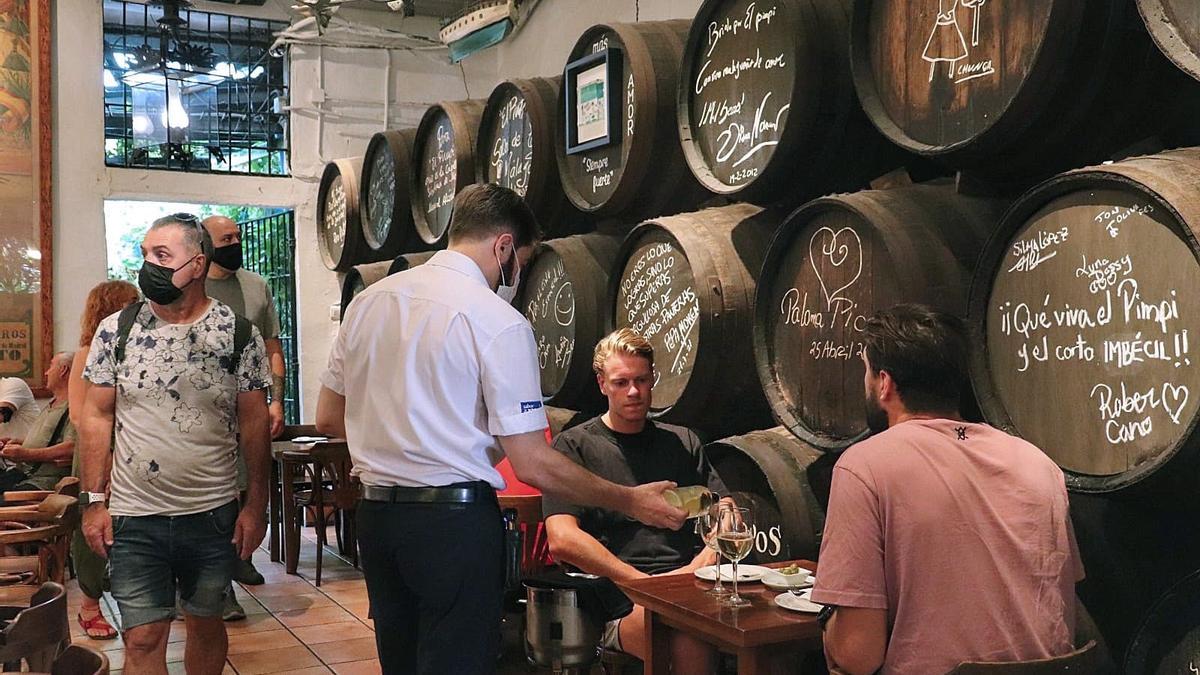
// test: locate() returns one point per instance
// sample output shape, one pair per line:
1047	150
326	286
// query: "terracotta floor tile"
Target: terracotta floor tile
273	661
253	623
368	667
258	642
287	603
314	616
343	585
333	632
346	650
346	597
315	670
359	609
275	589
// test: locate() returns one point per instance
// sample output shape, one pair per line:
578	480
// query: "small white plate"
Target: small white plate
745	572
779	582
798	603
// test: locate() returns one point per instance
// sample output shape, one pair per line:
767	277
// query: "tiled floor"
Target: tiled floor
291	625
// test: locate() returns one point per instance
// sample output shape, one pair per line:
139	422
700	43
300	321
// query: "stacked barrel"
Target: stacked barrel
747	188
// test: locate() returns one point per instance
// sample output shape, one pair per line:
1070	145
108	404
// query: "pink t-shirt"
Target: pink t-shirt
962	533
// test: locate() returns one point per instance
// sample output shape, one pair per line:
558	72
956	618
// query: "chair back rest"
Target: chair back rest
80	660
67	485
332	464
38	633
1082	661
529	518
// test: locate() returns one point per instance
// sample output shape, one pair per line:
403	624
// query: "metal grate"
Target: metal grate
239	126
268	248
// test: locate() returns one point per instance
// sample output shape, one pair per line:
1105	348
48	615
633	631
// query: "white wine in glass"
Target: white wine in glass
735	539
706	525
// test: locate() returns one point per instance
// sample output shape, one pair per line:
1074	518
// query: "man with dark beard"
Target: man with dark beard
945	541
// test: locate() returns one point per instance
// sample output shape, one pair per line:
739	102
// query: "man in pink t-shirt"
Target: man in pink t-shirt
945	541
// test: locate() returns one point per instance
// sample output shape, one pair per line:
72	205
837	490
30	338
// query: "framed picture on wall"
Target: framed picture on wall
26	315
593	100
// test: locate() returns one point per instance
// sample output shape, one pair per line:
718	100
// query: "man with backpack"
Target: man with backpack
179	385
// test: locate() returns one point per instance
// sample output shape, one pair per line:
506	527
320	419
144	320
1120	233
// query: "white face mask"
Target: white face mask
508	292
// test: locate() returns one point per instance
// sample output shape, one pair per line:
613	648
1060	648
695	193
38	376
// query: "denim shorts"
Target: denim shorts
154	557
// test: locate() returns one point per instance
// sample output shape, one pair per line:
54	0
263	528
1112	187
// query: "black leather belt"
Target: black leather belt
457	493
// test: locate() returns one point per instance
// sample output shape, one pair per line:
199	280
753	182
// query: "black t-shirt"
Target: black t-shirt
658	452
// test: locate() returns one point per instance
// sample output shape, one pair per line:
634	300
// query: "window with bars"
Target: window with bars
236	125
268	248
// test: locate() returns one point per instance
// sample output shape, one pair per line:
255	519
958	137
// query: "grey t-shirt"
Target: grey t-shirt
247	294
176	418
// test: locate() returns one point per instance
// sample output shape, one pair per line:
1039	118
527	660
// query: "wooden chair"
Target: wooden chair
16	499
1084	661
80	660
328	468
533	536
41	537
37	633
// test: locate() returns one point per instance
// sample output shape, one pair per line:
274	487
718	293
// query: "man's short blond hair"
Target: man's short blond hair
625	341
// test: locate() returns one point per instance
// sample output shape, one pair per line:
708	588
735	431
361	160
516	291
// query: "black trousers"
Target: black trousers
435	577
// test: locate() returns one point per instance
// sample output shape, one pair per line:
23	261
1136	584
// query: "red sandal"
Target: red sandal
97	622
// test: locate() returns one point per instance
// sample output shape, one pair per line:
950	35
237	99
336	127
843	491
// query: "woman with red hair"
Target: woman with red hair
104	300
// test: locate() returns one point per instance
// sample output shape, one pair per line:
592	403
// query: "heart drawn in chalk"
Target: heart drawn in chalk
1174	398
835	249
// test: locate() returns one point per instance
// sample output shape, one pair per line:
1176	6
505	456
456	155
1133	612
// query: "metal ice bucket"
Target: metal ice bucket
558	633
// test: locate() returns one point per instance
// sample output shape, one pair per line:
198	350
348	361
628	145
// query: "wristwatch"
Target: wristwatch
825	615
89	498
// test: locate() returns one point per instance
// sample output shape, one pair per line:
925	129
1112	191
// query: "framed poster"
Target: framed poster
592	93
26	316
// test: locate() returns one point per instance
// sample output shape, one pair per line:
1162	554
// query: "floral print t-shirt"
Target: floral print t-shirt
176	420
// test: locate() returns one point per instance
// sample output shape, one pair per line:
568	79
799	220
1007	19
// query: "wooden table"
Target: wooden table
286	460
761	635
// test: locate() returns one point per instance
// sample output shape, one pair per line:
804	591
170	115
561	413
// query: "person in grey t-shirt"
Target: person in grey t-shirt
248	295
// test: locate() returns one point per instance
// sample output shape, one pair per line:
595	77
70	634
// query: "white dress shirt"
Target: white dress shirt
433	366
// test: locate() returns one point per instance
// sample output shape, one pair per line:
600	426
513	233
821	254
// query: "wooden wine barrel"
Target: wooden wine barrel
1084	305
516	150
1009	90
561	419
387	222
686	283
339	233
787	482
443	164
1175	27
563	296
835	262
766	106
1140	561
1168	641
640	173
361	276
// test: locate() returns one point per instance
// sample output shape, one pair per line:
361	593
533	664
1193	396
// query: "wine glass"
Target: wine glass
735	538
706	526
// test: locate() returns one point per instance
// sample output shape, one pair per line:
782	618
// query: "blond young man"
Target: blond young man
623	446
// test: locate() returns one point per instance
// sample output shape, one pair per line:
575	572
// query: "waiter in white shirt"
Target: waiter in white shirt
431	368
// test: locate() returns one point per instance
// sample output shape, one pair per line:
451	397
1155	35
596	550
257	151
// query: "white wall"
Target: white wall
338	98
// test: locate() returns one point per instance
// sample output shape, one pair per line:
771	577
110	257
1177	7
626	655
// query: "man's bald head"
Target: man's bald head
223	230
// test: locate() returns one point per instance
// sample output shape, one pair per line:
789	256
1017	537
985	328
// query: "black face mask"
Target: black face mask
156	282
229	256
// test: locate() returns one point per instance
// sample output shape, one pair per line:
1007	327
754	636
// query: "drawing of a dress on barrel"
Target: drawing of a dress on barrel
946	42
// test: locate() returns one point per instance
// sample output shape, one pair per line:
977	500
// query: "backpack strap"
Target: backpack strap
125	324
241	338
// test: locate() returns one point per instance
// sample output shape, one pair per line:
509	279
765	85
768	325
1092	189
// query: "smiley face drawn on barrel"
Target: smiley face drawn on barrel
564	305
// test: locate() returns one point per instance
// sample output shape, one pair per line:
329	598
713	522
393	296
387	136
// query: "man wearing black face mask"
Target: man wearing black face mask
248	295
182	381
430	376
